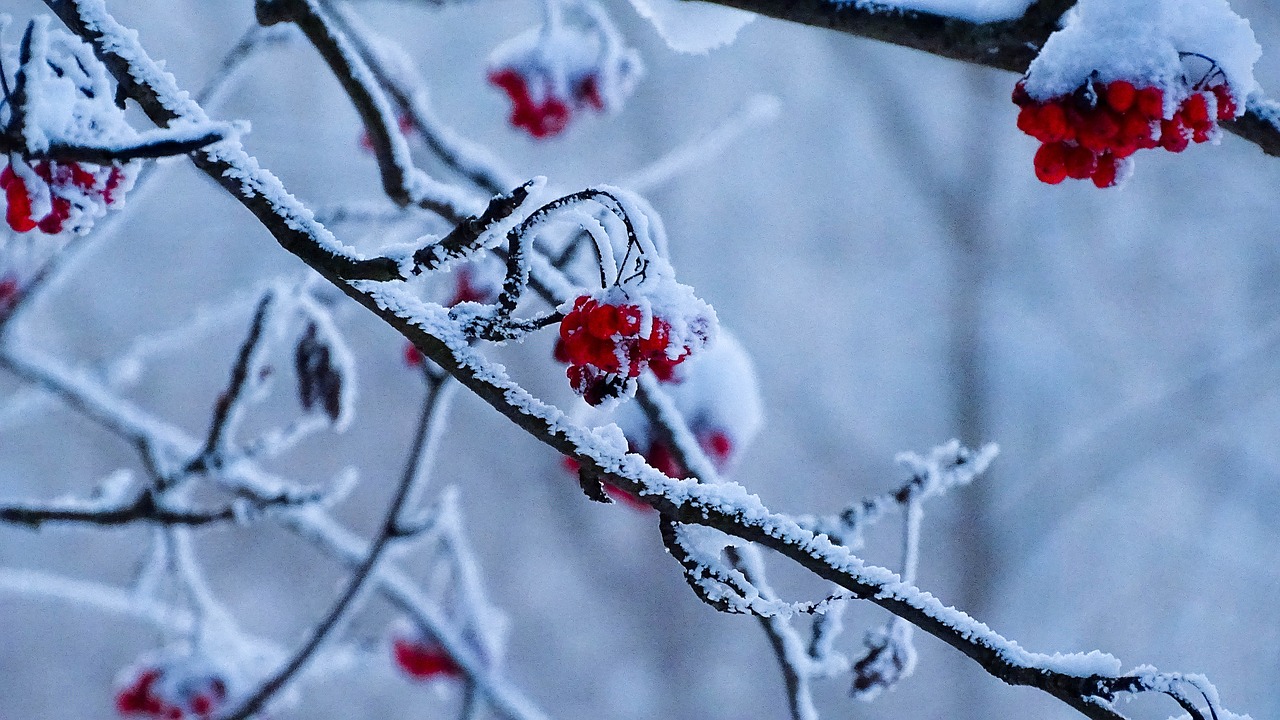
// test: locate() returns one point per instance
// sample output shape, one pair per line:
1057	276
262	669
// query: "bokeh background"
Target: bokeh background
900	278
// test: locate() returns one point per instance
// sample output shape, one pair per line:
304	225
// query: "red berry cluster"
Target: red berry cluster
551	115
424	659
1092	132
66	182
604	350
716	444
198	699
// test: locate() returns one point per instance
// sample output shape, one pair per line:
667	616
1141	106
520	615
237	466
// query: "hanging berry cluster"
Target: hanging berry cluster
1121	76
61	95
169	693
607	345
53	197
576	62
423	659
1092	132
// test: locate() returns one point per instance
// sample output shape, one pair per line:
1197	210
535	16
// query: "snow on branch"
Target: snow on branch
1008	44
147	145
144	507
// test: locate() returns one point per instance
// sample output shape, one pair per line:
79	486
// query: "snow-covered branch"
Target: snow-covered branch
1002	43
144	507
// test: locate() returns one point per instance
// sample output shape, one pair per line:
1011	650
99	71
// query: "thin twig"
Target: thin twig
228	404
145	508
149	149
432	416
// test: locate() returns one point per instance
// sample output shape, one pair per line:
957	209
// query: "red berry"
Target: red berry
413	357
1136	128
1226	103
1195	110
627	498
540	120
18	211
588	93
1029	121
604	321
1105	174
1080	162
52	223
114	181
1050	163
1098	130
424	660
570	464
201	704
663	460
602	345
1120	95
664	368
1174	134
1054	123
718	446
1150	101
82	178
1020	96
467	291
629	320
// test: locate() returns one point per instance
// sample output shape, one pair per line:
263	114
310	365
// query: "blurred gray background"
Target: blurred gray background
900	278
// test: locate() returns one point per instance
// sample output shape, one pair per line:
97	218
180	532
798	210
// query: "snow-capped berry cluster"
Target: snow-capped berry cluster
53	197
67	99
608	344
644	320
172	691
423	659
573	63
1127	75
1092	132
